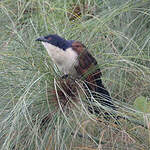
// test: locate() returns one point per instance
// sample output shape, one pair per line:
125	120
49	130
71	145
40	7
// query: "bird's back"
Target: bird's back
88	69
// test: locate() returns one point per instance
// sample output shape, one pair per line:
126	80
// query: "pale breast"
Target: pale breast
64	59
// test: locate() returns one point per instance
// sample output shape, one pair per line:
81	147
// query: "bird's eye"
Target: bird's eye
49	38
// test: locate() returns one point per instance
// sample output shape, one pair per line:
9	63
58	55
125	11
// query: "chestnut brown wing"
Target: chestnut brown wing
88	69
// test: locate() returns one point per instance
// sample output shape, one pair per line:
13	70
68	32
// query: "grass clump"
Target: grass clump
115	32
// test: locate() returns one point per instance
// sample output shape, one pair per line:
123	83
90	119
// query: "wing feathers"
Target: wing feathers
87	67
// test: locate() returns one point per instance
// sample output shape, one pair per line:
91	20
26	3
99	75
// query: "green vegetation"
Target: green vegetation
116	32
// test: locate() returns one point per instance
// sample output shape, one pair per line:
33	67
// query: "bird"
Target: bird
73	59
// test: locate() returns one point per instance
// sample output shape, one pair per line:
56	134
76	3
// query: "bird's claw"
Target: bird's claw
65	76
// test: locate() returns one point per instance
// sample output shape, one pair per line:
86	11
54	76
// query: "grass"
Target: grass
115	32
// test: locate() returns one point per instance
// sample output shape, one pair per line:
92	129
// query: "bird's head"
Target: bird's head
61	52
56	41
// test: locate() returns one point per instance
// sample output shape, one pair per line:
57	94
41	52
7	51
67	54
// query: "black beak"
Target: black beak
42	39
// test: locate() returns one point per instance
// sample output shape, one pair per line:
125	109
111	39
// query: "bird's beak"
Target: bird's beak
42	39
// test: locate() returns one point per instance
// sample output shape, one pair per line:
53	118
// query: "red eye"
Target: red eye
49	38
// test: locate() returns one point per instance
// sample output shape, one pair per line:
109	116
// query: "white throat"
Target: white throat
65	60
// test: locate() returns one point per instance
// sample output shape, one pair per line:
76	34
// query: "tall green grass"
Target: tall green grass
117	33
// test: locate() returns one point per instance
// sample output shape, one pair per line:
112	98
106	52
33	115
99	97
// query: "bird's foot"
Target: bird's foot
65	76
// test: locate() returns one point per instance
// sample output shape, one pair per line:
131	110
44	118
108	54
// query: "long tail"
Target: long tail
99	92
87	68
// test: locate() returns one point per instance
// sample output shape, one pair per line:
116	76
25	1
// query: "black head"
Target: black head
56	41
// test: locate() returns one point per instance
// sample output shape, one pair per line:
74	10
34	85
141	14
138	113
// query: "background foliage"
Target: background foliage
116	32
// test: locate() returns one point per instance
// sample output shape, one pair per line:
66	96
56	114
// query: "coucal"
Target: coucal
72	58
